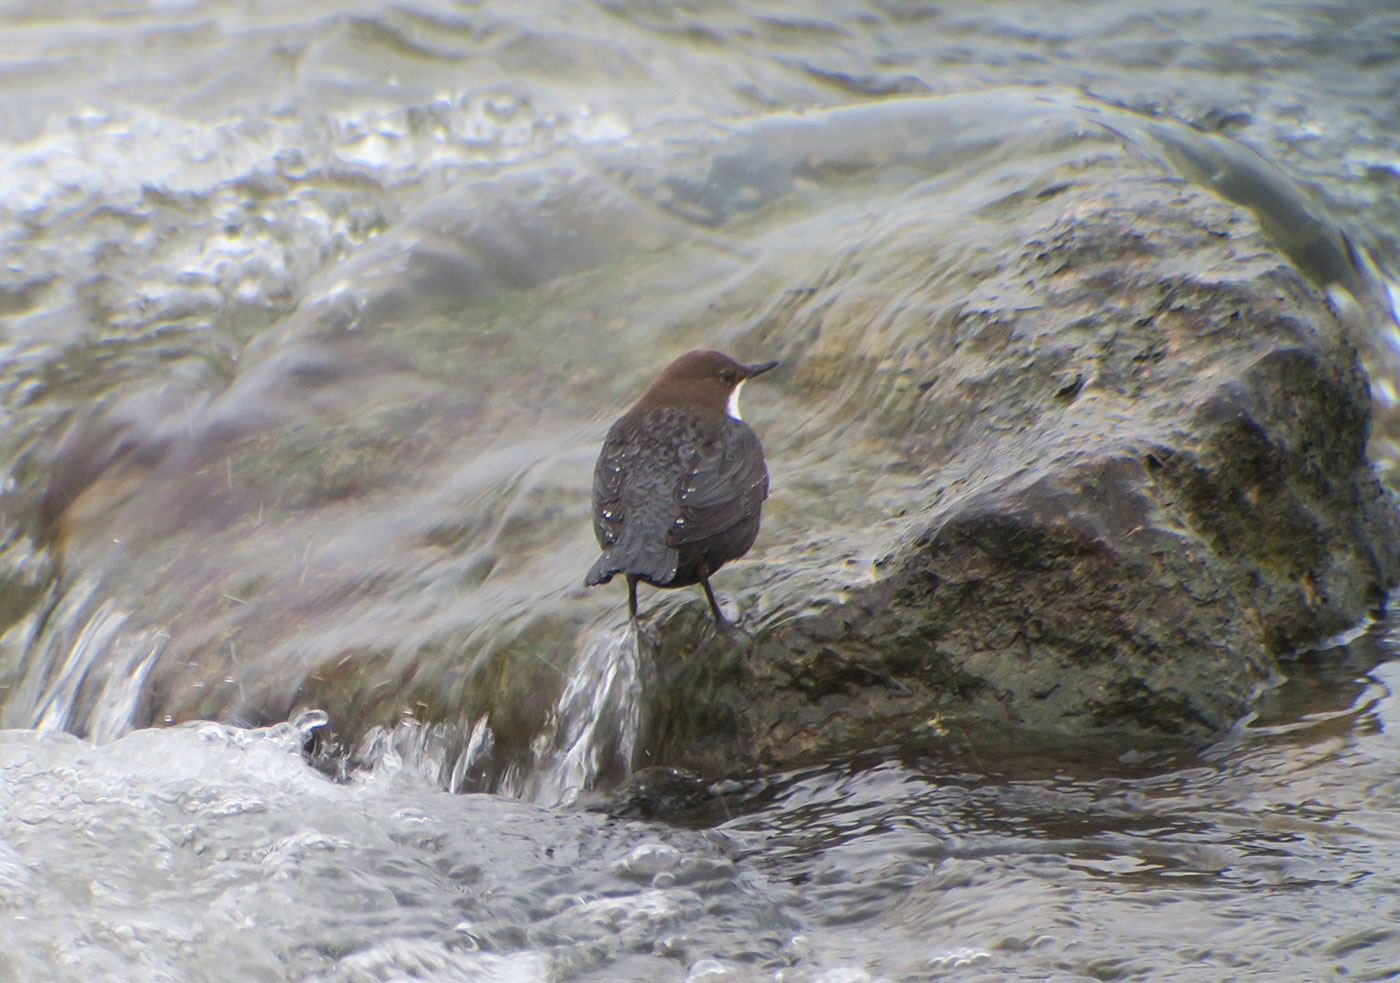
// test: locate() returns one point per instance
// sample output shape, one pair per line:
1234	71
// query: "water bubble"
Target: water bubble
90	790
955	958
846	974
711	970
670	945
650	859
308	720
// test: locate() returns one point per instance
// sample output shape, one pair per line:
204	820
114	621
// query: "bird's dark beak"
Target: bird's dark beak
752	370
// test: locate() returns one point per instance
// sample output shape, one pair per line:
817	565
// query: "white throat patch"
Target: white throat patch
734	401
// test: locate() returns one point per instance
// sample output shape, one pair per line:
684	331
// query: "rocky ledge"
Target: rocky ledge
1136	476
1061	443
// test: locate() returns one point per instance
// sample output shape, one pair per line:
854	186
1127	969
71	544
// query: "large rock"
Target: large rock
1136	475
1060	441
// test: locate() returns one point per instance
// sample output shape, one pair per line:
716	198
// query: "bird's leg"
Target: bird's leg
631	597
714	605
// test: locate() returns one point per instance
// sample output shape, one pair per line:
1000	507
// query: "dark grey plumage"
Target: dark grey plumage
679	485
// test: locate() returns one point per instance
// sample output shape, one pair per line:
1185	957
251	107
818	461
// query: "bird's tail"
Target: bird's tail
654	564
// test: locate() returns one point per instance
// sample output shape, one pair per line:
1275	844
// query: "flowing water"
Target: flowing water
311	316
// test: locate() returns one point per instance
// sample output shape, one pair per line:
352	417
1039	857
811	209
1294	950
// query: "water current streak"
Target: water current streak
82	669
592	732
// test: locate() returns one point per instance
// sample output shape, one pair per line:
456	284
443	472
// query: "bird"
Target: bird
679	486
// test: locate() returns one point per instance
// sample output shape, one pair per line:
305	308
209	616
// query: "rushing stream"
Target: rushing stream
312	315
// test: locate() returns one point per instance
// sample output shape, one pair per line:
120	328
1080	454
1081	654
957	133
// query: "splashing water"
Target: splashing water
593	729
591	734
475	757
91	657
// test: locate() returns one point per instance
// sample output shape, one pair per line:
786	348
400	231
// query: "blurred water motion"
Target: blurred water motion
311	320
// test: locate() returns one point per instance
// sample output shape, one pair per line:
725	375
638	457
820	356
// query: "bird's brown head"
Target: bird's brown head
703	381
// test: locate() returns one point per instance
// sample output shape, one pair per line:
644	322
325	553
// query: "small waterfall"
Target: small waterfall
80	667
475	758
591	733
411	746
594	727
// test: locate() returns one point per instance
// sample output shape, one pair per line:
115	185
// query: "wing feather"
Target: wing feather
725	483
607	491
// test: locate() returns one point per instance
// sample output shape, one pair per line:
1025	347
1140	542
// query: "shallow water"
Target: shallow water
284	284
209	853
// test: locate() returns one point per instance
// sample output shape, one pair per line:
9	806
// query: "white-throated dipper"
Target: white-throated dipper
680	482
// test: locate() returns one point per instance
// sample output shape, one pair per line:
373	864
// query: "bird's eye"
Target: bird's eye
728	376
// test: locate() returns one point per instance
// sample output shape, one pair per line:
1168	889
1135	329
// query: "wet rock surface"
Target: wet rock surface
1139	449
1060	443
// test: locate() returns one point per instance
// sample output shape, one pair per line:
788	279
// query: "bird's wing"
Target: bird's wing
725	483
607	491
